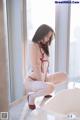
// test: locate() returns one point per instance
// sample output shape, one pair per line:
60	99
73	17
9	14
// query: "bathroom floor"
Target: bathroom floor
20	111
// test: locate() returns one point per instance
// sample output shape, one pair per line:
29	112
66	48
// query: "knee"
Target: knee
50	87
64	76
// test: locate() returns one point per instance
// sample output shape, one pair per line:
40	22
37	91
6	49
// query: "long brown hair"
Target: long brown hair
40	33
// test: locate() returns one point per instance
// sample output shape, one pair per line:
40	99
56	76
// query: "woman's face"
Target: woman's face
47	38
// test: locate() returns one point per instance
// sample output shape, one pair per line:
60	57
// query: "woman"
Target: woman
39	83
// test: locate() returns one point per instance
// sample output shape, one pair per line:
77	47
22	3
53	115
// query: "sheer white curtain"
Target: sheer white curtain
4	70
74	61
15	48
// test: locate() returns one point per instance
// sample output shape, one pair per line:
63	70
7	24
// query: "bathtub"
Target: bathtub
65	103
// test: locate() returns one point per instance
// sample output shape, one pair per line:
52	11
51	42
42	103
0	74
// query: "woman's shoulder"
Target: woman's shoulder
34	45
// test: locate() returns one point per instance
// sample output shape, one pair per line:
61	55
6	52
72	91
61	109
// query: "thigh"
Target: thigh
32	85
57	77
37	85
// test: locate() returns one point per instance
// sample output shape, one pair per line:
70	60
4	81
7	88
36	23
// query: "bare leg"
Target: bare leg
57	78
44	91
38	88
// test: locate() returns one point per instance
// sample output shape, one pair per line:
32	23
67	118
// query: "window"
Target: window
74	61
40	12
